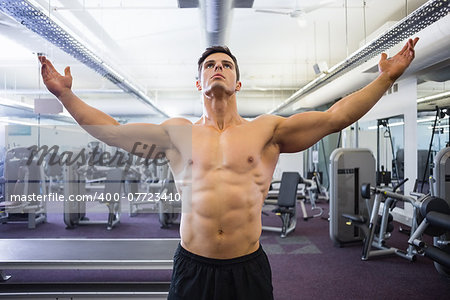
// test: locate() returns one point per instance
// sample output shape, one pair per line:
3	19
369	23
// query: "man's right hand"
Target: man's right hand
55	82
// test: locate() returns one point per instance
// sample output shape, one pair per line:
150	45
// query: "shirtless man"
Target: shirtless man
223	168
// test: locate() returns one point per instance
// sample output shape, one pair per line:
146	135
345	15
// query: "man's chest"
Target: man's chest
239	149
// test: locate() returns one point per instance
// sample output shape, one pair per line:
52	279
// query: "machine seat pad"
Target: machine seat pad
284	210
439	219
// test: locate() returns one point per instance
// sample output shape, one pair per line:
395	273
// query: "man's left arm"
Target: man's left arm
303	130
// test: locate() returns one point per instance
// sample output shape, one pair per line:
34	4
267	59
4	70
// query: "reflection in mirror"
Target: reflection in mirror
385	138
433	132
58	177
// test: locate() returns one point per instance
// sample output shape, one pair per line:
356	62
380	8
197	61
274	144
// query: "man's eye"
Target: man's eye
209	66
227	66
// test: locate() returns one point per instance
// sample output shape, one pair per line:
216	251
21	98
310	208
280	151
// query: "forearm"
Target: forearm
136	138
83	113
352	107
95	122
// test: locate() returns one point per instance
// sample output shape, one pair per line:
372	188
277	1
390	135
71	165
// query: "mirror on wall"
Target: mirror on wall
385	138
433	134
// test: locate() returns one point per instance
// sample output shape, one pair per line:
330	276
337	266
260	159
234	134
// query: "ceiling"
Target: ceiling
155	45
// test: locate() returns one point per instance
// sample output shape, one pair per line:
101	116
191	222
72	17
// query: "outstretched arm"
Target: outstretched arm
61	87
97	123
303	130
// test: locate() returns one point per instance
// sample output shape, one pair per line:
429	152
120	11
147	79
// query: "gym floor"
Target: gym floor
305	265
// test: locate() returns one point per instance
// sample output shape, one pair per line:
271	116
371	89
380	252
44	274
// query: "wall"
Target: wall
289	162
66	137
403	102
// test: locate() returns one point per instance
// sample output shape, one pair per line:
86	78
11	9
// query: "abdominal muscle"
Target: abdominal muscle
222	215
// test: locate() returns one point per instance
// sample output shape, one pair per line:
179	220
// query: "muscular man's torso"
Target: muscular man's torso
223	177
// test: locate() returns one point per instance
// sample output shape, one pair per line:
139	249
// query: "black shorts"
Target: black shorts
196	277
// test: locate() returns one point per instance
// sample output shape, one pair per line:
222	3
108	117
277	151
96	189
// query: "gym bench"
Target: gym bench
286	204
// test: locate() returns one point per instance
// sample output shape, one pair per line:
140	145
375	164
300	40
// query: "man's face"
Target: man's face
218	72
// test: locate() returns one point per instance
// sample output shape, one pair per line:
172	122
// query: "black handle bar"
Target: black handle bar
400	184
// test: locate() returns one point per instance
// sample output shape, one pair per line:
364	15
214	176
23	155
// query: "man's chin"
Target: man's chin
219	88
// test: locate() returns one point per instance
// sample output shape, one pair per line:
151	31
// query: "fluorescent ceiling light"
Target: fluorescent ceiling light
431	119
88	37
434	97
419	19
389	125
12	103
439	126
11	121
402	123
35	20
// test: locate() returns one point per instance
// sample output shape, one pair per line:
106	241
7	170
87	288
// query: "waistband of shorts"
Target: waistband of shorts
218	262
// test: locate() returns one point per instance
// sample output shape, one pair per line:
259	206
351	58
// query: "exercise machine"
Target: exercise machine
315	191
436	222
156	177
24	182
76	197
169	205
377	232
441	189
308	189
349	167
286	204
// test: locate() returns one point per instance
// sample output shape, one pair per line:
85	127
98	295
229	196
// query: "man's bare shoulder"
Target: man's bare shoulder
176	122
267	119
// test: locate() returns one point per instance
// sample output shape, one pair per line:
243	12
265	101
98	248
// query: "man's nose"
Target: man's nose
218	66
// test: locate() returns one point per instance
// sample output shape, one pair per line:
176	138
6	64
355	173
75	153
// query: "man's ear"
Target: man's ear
198	85
238	86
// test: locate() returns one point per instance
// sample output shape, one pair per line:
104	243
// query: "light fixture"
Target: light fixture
61	117
16	104
434	97
16	122
422	17
389	125
36	21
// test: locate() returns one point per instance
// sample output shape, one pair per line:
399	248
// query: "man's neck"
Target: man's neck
220	112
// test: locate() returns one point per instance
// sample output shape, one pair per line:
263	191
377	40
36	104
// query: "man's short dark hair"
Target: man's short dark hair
217	49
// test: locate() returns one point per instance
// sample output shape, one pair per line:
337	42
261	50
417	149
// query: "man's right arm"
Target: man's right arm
99	124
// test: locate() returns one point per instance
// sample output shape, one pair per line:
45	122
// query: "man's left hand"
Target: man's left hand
396	65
